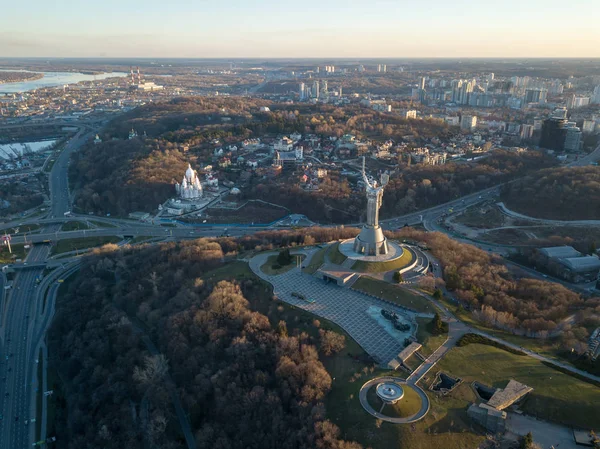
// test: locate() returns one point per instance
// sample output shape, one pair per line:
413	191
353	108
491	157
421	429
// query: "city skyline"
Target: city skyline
335	29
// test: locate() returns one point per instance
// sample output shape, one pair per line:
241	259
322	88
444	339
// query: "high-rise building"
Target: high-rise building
468	122
422	83
527	131
340	91
572	137
315	89
596	95
576	101
589	126
324	88
535	96
553	134
302	91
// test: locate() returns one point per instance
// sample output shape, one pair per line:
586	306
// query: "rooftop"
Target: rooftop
560	252
585	263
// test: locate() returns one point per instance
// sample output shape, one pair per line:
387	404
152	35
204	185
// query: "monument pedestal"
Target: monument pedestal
371	242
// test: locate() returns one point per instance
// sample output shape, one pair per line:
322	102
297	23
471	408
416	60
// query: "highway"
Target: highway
22	321
18	320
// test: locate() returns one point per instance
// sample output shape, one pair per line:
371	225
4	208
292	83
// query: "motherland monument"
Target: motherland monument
371	241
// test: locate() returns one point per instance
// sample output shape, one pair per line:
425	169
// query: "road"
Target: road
21	318
15	355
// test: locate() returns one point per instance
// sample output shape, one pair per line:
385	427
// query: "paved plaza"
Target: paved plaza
345	307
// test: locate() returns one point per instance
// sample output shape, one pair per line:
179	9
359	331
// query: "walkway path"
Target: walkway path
505	210
362	396
343	306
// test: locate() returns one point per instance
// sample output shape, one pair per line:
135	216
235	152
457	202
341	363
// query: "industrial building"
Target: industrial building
569	264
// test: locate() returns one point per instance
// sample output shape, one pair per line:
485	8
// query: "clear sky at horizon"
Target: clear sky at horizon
282	28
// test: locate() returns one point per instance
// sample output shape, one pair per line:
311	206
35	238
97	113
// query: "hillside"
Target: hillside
557	193
244	381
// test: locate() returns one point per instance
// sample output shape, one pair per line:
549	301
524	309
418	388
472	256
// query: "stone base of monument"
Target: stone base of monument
395	251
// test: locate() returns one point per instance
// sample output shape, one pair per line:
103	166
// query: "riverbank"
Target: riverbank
19	77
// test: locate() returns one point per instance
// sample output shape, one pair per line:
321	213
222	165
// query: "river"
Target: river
52	79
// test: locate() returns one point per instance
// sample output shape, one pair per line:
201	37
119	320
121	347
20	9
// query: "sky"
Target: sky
300	29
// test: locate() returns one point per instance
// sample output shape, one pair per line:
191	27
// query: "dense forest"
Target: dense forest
413	188
567	193
123	176
498	298
244	381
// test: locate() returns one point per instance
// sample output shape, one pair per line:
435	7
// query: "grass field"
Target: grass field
18	252
393	293
24	229
316	261
556	397
102	224
429	341
380	267
140	238
334	254
267	267
409	405
63	246
548	347
74	226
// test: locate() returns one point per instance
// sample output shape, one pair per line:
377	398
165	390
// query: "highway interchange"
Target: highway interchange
25	320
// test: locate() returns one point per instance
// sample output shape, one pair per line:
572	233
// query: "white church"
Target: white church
190	188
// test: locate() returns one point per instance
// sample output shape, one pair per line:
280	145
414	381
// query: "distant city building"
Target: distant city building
596	95
527	131
573	137
132	134
97	139
302	91
468	122
575	102
315	89
293	157
452	120
553	134
409	113
589	126
536	96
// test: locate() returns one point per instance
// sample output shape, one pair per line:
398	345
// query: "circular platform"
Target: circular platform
395	252
389	392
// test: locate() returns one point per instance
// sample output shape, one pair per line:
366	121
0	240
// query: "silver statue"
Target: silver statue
371	240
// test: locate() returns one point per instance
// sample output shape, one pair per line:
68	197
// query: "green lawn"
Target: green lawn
63	246
380	267
556	397
24	229
393	293
140	238
268	269
549	348
18	252
316	261
334	255
102	224
429	341
409	405
74	226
